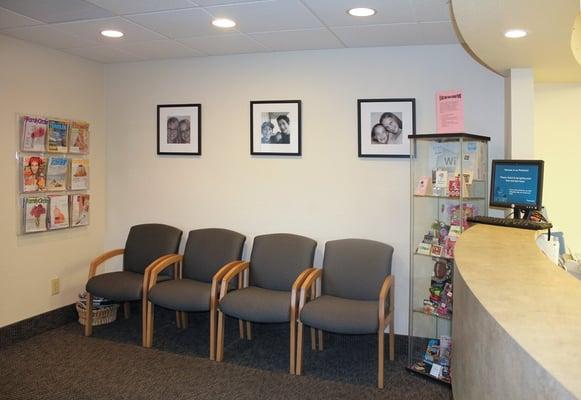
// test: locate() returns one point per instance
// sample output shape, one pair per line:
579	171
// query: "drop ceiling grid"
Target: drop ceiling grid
317	24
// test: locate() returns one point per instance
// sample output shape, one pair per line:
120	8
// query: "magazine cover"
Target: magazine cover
57	135
34	133
79	174
79	137
35	210
58	212
56	173
79	209
33	173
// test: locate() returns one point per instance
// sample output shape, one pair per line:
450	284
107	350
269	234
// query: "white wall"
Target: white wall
329	192
558	141
37	80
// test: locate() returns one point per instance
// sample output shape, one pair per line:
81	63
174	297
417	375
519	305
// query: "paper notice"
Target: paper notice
450	111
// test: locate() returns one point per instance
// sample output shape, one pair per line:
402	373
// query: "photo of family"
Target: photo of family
384	126
179	129
387	128
275	134
275	127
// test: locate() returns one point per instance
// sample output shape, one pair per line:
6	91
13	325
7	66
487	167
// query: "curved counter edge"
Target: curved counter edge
517	319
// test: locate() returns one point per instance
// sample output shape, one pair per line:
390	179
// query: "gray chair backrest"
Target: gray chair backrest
207	250
355	268
147	242
278	259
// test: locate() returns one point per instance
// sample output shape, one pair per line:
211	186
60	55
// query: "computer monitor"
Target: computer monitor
517	184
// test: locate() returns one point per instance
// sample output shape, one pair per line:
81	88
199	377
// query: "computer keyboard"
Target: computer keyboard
511	223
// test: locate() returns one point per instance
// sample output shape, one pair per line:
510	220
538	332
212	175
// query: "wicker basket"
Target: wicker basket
101	316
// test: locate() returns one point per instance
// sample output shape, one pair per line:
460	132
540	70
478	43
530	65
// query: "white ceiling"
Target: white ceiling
547	48
156	29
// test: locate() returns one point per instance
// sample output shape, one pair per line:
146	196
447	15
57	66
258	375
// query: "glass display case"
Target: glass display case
449	183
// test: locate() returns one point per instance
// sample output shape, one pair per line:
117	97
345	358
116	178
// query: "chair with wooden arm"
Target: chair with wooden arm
208	255
278	265
146	245
355	283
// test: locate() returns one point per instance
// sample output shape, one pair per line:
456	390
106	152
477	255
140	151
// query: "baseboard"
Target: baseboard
33	326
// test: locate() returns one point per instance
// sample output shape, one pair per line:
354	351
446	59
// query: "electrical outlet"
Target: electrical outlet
55	286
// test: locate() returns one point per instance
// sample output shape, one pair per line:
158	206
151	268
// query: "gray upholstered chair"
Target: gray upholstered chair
146	245
278	265
208	255
356	279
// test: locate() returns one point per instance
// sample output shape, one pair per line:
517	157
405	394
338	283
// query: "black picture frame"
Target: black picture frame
399	112
170	144
272	113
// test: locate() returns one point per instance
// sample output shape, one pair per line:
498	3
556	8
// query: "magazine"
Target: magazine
56	173
79	209
35	210
57	135
79	137
33	173
79	175
33	133
58	212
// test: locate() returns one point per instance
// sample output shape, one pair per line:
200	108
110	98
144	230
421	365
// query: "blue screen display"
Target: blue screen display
516	184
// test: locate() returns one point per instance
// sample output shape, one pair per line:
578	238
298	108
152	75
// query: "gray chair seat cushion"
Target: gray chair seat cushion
338	315
182	295
257	305
118	286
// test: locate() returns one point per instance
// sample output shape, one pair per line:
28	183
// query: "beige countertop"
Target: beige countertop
537	304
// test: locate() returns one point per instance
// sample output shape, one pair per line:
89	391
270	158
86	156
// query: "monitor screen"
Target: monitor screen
516	183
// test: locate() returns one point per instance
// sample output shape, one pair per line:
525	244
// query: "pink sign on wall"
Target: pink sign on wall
450	111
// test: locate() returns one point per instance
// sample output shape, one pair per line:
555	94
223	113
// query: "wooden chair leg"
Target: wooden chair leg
248	330
293	344
320	340
212	334
241	328
380	356
220	337
313	340
149	338
89	315
184	320
126	310
179	319
299	363
391	339
144	307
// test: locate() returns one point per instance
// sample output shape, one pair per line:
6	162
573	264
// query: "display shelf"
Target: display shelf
449	183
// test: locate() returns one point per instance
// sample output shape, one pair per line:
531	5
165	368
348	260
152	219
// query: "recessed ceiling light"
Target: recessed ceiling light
361	12
112	33
223	23
515	33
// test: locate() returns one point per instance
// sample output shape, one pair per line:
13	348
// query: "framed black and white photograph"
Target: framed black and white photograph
275	127
179	129
384	126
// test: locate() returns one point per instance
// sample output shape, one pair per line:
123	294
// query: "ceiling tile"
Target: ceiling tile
225	44
10	19
122	7
380	35
221	2
91	30
334	13
159	49
177	24
431	10
268	16
46	36
51	11
103	54
438	32
298	40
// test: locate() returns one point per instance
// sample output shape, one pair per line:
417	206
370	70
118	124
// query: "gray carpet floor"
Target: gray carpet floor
63	364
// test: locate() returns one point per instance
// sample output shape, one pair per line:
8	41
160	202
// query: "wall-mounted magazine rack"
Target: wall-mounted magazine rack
53	173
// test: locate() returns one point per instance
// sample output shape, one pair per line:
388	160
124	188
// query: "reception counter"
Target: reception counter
517	319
